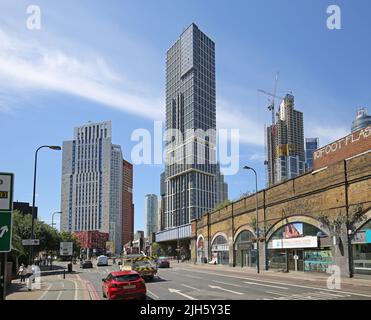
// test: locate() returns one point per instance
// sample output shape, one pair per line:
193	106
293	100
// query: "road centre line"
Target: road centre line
229	284
282	283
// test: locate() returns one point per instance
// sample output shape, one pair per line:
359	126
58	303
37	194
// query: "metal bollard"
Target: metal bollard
64	274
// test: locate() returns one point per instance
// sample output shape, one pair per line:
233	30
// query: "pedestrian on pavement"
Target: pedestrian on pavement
49	260
22	272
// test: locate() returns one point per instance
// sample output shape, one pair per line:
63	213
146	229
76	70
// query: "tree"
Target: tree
337	223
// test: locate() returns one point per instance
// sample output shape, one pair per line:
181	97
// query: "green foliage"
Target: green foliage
49	237
222	205
159	249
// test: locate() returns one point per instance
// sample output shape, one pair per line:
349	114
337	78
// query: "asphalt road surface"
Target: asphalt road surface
185	281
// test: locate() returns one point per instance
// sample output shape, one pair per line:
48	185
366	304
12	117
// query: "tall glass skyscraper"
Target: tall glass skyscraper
151	212
91	196
285	155
311	145
191	173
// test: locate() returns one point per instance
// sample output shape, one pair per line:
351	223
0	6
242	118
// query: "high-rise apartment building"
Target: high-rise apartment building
362	120
162	216
285	144
311	145
151	212
191	176
127	203
91	196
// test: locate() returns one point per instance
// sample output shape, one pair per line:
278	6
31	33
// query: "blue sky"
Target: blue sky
105	60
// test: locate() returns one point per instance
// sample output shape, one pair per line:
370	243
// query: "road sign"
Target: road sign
66	249
6	208
6	192
31	242
5	231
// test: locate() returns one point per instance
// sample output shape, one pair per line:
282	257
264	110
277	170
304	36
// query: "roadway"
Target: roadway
185	281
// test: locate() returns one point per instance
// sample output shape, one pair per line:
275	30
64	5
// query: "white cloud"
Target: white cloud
228	116
326	134
27	65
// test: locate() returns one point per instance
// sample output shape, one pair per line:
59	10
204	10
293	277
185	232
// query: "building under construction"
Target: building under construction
285	155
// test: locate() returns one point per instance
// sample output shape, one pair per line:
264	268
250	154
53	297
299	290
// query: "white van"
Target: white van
102	261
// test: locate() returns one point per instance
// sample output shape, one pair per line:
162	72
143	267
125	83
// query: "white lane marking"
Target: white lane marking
265	285
46	291
335	295
152	294
60	293
283	283
184	285
220	288
229	284
76	290
181	293
193	277
306	296
284	296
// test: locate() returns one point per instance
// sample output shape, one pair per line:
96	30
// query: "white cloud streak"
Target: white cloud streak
26	64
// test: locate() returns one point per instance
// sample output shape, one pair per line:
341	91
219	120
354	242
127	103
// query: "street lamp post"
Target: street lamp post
51	261
33	197
57	212
257	218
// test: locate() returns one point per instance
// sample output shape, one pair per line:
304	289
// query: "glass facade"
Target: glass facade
361	247
311	145
220	250
296	254
191	168
244	250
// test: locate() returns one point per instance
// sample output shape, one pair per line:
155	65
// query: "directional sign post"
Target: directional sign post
6	208
5	231
31	242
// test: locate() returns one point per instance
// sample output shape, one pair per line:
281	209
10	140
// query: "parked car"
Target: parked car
86	264
163	262
102	261
122	285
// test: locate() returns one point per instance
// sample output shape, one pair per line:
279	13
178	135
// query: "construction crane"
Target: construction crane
274	96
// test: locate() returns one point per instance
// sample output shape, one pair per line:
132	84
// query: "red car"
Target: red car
121	285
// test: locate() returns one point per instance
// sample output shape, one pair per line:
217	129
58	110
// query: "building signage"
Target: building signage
6	209
368	236
351	145
6	188
31	242
66	249
220	247
359	237
304	242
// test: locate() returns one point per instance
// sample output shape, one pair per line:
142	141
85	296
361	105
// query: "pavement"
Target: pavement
187	281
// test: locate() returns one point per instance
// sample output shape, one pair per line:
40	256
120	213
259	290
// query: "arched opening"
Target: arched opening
201	249
244	249
298	245
361	249
220	250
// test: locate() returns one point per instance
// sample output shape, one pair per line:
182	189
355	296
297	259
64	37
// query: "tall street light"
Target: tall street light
57	212
257	217
33	197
